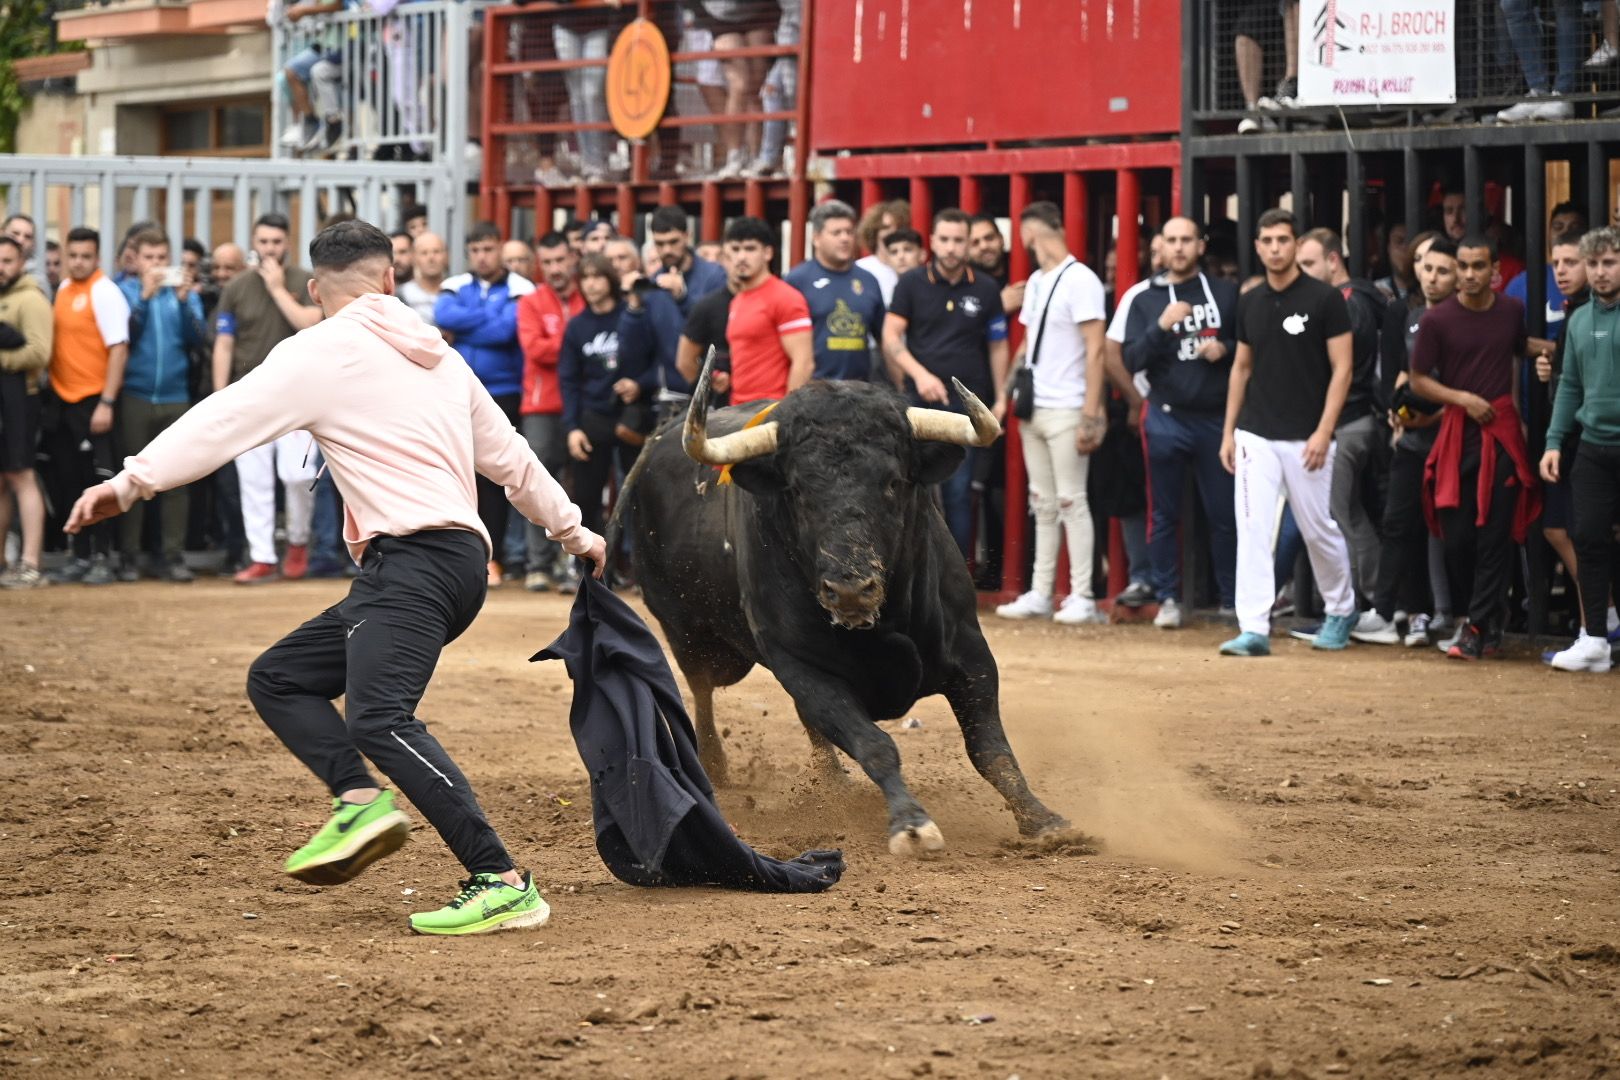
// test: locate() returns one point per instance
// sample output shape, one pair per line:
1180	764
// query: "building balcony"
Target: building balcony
80	20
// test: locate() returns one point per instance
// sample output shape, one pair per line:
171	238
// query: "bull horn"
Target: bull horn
977	428
731	449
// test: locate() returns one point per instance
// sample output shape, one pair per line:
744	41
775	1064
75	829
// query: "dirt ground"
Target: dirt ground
1380	863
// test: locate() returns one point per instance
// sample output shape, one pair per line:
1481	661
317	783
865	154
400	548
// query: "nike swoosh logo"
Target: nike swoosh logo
355	627
345	826
490	912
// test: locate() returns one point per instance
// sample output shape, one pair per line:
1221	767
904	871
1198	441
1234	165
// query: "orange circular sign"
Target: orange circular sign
638	80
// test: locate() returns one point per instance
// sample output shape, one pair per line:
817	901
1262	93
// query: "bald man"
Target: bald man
405	425
228	260
432	260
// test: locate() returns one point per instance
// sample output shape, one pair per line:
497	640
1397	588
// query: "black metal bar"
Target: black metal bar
1413	196
1355	232
1473	189
1300	185
1597	184
1246	215
1373	140
1189	80
1535	239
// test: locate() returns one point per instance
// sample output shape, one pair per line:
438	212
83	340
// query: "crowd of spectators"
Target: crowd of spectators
1406	433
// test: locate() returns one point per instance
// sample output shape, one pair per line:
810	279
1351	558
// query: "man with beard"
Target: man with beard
989	253
404	260
682	273
846	304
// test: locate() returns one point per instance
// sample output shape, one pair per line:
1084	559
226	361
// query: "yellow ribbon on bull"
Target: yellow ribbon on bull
754	421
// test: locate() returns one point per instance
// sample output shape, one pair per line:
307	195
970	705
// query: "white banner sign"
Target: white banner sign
1377	52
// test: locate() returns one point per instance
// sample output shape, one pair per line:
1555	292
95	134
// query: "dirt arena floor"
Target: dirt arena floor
1379	864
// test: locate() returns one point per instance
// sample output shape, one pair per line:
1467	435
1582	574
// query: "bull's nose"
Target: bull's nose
858	595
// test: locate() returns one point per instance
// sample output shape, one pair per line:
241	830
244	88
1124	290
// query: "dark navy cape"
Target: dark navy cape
654	810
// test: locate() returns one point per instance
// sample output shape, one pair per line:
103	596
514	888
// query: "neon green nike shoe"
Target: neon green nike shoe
354	838
486	903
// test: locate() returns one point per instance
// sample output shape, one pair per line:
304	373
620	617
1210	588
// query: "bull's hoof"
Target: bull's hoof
916	841
1058	839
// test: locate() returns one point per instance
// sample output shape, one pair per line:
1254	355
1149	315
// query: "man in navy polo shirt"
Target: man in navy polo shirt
846	304
950	313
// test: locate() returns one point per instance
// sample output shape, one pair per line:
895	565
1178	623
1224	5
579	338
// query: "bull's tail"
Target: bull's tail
615	523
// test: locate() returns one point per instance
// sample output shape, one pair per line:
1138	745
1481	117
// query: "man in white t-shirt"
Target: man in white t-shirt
429	263
875	228
1063	316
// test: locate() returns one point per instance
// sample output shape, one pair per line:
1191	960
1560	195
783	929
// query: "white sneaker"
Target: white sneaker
1374	629
1169	616
1078	611
1032	605
1417	632
1539	105
1606	54
1587	654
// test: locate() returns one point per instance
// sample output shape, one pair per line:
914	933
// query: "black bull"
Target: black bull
827	561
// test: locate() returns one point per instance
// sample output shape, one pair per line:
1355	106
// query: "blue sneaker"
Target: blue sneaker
1247	644
1335	632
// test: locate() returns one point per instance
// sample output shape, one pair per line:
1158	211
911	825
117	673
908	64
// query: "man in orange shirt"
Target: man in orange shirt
769	328
89	348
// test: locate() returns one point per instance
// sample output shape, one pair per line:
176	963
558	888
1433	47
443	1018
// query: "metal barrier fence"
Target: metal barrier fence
1243	66
734	108
111	193
401	85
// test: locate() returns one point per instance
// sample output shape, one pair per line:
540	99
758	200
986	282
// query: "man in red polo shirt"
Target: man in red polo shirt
769	327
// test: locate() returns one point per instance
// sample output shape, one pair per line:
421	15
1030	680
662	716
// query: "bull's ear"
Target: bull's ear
934	462
758	476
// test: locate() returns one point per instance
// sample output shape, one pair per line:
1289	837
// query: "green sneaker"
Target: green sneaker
354	838
486	903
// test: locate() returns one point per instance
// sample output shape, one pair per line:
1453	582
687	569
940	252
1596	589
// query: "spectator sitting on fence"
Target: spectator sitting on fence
1546	100
306	131
1256	22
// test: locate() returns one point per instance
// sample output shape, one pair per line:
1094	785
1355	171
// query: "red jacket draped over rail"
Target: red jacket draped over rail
1442	472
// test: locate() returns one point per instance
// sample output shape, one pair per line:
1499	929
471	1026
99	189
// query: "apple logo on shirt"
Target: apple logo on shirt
1295	324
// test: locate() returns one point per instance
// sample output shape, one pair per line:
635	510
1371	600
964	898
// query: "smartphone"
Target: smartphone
174	276
251	259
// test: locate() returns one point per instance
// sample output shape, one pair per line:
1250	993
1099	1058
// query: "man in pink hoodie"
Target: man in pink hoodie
405	426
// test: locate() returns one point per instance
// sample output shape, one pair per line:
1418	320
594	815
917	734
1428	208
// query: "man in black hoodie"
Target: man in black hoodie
1181	332
1361	437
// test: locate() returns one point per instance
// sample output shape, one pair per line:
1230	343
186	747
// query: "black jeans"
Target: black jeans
591	476
378	647
1479	558
1595	491
78	460
1403	557
493	506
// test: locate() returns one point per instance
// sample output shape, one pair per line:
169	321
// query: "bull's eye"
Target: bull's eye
892	488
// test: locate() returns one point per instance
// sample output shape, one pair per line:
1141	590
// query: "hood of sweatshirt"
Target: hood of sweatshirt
399	326
25	283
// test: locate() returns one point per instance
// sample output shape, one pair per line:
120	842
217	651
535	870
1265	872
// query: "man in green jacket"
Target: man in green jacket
1589	395
25	351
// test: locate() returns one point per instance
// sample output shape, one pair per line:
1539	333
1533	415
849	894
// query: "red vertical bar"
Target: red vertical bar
496	30
666	194
545	211
1076	221
1175	191
754	198
503	211
584	204
798	210
801	126
627	210
871	192
711	223
640	171
972	195
1017	515
922	207
1127	205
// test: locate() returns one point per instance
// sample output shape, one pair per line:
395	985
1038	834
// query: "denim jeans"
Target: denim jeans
1525	31
956	499
326	523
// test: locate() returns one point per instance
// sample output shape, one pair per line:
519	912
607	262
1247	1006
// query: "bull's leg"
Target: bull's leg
711	751
973	690
823	754
830	710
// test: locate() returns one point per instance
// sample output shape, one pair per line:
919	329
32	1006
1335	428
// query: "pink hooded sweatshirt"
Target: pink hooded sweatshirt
401	418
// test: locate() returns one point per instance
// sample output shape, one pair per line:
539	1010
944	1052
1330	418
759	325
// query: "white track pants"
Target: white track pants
292	458
1266	471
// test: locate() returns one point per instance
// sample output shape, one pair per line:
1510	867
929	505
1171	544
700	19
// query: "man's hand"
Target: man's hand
152	281
1316	450
101	421
187	282
1174	313
1229	454
95	505
1012	297
627	389
1212	350
1479	410
579	445
1544	367
929	388
598	555
1549	466
273	273
999	410
1093	426
720	382
1133	413
672	282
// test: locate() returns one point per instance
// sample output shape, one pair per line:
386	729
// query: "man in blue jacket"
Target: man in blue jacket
682	273
165	324
478	310
1181	332
649	334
